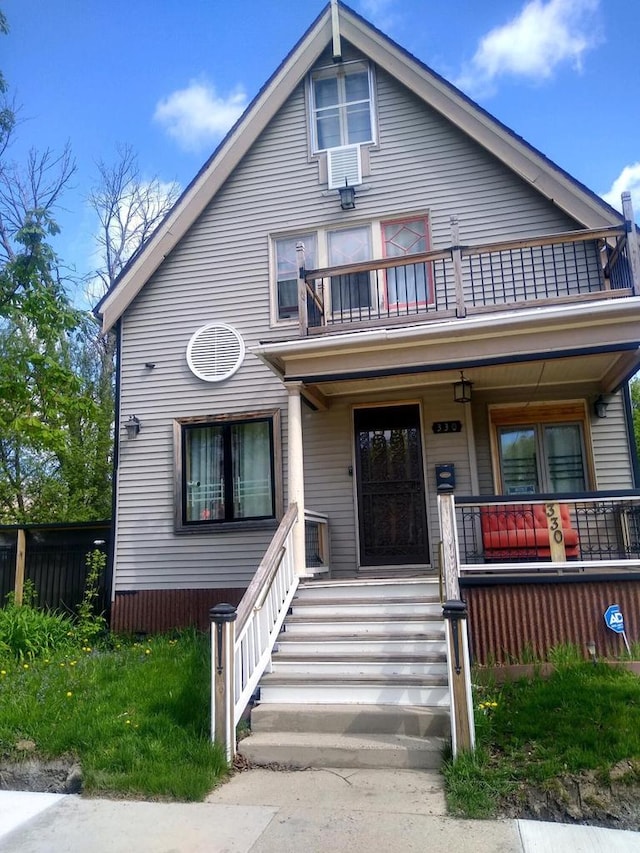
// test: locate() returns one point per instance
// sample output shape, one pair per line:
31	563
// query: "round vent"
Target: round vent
215	352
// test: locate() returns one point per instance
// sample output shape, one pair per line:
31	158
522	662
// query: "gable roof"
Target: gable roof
530	164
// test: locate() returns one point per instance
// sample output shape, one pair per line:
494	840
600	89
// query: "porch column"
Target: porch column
296	474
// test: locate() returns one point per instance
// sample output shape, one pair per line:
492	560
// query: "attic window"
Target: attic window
215	352
341	97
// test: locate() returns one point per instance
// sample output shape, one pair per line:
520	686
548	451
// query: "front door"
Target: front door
390	485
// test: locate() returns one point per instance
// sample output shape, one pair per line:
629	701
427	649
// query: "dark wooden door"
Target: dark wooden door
390	486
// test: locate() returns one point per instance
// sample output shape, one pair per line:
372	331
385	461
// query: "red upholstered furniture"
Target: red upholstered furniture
520	531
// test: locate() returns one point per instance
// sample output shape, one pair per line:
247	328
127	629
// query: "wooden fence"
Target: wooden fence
53	559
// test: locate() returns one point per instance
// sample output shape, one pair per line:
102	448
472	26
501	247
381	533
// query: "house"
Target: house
372	292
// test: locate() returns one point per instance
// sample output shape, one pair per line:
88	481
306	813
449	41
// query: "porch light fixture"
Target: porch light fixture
462	390
132	426
347	196
600	407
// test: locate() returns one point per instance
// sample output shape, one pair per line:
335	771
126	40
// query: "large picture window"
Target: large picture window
541	453
225	470
341	105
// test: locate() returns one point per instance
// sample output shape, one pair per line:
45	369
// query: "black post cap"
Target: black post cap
454	609
223	613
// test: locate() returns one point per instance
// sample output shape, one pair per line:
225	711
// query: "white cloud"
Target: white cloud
381	13
541	37
628	180
197	116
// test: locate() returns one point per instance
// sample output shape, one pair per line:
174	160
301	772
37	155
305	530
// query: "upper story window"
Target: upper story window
394	289
341	97
286	263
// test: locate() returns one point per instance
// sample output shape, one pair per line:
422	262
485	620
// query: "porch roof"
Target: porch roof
597	346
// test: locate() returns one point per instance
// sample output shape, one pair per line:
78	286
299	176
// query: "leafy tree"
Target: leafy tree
634	387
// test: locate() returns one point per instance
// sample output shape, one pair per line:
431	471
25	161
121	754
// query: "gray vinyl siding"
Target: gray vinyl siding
220	272
611	450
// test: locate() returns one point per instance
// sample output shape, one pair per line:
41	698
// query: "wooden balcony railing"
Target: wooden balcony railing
598	532
461	280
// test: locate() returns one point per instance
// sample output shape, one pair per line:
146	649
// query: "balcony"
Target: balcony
595	533
461	281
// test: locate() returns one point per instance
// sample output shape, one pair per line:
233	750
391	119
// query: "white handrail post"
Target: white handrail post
456	257
632	241
296	474
454	612
223	618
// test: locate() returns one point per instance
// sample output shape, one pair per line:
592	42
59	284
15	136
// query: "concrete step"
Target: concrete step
329	689
351	719
303	749
417	626
394	608
342	666
429	647
372	588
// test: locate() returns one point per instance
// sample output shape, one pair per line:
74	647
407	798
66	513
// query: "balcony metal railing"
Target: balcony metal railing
599	532
461	280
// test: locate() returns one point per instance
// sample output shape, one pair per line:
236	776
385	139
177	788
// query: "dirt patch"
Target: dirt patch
583	799
60	776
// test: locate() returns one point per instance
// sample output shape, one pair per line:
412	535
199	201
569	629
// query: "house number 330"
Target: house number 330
555	526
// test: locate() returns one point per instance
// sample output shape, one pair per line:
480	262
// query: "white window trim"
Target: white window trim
322	250
329	71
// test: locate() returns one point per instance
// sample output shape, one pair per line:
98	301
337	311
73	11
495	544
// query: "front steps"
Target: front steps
359	679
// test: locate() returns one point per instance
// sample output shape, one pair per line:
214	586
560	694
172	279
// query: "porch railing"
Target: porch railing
461	280
316	538
597	532
262	611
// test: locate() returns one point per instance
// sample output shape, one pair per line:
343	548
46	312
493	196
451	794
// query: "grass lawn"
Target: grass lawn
134	714
584	717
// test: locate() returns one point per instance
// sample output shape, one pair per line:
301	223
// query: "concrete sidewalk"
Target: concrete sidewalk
313	811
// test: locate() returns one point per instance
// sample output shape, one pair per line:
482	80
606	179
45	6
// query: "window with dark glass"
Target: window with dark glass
227	471
352	291
287	272
342	100
539	458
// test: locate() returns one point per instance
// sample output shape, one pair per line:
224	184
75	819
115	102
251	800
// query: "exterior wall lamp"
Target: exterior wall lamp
347	196
600	407
462	389
132	426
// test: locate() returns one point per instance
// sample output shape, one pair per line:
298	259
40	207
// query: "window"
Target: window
353	290
341	105
225	470
411	284
287	272
358	294
541	453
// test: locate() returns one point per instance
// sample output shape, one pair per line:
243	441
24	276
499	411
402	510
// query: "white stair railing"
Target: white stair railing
242	640
262	611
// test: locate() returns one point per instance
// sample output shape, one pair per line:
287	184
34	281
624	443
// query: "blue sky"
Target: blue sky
169	78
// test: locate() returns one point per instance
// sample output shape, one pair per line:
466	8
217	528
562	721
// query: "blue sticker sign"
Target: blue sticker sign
614	619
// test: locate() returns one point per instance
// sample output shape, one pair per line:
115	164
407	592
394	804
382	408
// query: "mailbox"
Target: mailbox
446	476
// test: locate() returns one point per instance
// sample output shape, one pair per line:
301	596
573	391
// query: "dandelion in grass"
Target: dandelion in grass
3	672
25	666
73	662
69	694
147	651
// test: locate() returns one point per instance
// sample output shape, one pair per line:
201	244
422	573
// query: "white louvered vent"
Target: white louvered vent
215	352
344	162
